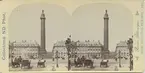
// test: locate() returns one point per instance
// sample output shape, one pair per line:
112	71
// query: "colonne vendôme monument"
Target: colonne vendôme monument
42	50
105	52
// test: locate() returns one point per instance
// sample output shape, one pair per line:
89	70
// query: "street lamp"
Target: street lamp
68	47
53	54
130	46
57	59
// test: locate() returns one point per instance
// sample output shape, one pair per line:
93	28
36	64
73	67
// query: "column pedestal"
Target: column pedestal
105	54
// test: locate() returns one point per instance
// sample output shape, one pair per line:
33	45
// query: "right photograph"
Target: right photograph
110	49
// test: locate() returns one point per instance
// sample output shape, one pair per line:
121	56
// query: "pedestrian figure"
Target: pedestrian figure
15	62
83	60
12	60
116	59
69	66
131	64
42	60
79	61
53	59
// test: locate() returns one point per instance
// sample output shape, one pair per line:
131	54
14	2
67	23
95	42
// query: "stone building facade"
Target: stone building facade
25	49
60	47
89	49
123	48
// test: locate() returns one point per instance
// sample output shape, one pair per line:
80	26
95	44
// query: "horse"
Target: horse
15	63
104	63
41	64
83	62
88	63
25	63
78	62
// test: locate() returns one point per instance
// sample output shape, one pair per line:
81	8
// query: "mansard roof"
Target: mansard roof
59	43
62	43
89	43
122	43
79	43
24	43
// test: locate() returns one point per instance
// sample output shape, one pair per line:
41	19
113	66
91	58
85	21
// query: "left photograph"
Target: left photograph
30	44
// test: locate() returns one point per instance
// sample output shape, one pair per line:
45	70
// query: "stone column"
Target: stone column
106	35
42	48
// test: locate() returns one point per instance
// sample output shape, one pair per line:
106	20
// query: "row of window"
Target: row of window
28	49
87	52
58	48
89	49
97	54
25	53
123	53
88	45
79	45
122	49
32	54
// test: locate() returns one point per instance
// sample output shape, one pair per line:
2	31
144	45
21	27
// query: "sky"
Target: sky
84	23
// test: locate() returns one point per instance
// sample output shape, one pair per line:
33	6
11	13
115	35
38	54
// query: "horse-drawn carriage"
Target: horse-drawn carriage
25	63
83	62
41	63
88	63
15	64
21	63
104	63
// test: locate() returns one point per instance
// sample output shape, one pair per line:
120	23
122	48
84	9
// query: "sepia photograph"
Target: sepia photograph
49	37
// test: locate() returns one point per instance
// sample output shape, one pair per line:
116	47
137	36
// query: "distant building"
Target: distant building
123	48
25	49
60	47
89	49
